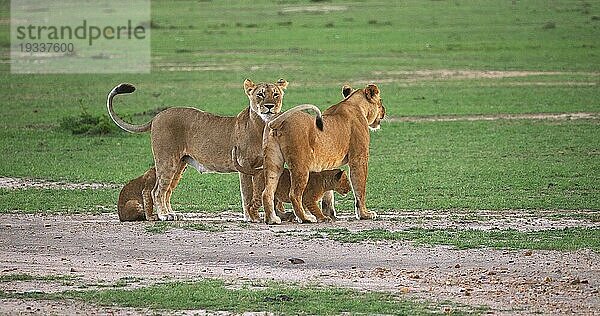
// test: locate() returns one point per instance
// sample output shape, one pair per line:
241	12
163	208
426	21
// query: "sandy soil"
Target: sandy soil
22	183
496	117
99	250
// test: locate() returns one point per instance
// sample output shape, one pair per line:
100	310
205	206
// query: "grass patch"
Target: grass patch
553	239
479	165
29	277
431	165
163	227
58	201
214	295
89	124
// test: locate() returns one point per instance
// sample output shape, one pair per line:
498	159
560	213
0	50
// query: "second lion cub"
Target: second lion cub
318	184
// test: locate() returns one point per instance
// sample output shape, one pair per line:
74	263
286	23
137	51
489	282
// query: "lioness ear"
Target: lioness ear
371	91
282	83
339	175
346	90
249	86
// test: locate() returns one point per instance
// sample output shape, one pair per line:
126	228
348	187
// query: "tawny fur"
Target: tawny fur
205	140
318	184
135	199
345	138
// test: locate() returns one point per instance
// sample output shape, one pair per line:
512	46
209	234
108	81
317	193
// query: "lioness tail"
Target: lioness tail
276	122
122	89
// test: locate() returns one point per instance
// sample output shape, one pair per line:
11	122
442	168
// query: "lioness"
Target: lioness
340	136
205	141
135	199
318	184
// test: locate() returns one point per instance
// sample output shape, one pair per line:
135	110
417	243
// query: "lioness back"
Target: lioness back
204	136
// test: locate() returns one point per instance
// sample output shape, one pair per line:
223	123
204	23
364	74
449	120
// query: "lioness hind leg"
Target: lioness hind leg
174	183
299	179
164	177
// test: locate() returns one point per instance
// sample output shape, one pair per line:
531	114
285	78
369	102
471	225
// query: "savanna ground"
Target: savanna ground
487	171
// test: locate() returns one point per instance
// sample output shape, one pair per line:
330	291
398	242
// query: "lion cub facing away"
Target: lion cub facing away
135	199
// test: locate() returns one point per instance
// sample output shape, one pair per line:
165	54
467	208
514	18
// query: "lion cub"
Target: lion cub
318	184
135	199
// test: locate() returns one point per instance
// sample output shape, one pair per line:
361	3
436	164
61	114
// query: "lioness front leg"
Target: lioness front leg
328	205
358	178
248	202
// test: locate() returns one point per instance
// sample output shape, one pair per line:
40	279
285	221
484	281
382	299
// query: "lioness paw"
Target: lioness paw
309	218
170	217
325	219
367	215
152	218
273	220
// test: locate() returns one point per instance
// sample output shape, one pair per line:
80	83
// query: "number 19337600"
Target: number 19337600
46	47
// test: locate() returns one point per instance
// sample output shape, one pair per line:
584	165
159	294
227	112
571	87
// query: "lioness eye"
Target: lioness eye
260	95
276	95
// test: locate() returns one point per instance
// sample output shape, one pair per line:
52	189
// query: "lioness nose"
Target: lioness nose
269	105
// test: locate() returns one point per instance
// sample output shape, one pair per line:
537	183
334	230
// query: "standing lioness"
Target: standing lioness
205	141
340	136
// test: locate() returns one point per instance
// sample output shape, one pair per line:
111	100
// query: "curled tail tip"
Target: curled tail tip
319	123
124	88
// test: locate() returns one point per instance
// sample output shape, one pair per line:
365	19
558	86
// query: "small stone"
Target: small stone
47	225
548	279
72	270
457	266
404	290
296	260
528	253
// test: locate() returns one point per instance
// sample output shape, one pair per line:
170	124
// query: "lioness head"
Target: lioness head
266	99
376	113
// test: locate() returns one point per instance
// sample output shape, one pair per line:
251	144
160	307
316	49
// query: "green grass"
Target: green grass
465	165
441	165
162	227
215	295
566	239
29	277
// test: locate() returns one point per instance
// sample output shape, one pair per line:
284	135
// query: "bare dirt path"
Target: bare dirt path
98	249
496	117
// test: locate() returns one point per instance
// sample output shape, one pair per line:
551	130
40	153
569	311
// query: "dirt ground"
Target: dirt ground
98	250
